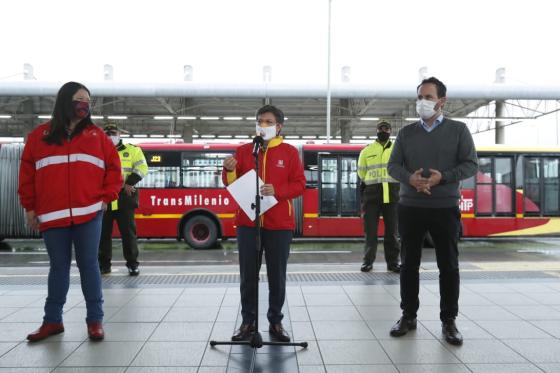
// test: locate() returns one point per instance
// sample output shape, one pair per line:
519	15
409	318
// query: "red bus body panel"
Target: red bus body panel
161	210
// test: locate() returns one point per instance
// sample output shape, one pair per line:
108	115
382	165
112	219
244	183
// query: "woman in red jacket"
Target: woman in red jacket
69	171
282	172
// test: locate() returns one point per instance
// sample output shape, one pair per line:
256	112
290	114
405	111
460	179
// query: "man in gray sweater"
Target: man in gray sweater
430	157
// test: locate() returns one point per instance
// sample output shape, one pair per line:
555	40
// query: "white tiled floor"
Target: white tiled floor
508	327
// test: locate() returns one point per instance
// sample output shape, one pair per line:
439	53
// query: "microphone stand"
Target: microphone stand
256	339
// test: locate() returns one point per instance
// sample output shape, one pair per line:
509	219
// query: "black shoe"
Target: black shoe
277	331
133	271
394	268
403	326
243	333
105	270
366	267
450	332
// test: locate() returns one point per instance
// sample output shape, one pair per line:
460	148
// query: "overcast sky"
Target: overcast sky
383	42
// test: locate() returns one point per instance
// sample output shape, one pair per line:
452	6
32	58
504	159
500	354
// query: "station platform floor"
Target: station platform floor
162	321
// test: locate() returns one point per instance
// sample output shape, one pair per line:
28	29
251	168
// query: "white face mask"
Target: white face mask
267	133
425	108
115	139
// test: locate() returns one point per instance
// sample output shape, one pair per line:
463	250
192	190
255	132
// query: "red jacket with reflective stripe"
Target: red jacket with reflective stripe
279	165
65	184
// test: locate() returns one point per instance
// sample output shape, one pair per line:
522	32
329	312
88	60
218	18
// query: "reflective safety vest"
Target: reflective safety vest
372	166
132	161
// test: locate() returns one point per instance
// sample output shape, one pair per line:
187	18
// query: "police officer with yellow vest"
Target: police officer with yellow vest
134	168
379	196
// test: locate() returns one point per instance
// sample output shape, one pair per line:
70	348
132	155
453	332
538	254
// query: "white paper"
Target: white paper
243	190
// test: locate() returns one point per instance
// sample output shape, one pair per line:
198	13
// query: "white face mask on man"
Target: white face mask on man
425	108
267	133
115	139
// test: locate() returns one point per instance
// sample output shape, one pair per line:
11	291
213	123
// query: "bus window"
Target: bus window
163	170
503	175
541	186
348	181
551	186
311	169
468	183
484	186
202	169
338	185
531	186
494	186
329	186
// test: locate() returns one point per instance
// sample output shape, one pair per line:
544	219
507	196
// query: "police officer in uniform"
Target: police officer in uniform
379	195
134	168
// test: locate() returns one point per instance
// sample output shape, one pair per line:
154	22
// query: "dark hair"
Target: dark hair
441	88
278	114
63	112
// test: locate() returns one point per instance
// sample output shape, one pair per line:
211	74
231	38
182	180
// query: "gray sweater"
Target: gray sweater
449	148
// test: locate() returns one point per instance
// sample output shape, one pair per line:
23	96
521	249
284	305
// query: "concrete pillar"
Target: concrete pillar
29	117
345	128
28	126
187	133
500	136
345	131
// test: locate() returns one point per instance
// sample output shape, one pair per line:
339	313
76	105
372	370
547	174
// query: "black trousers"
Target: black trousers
372	210
276	247
443	225
127	227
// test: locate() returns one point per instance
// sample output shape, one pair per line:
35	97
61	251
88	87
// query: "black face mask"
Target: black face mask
382	136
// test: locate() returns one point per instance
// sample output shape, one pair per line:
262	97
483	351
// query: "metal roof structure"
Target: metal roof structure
191	110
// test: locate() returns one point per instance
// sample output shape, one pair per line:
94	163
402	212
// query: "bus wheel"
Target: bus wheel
200	232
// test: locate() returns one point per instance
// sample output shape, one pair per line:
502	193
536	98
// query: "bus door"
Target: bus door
494	192
338	193
541	186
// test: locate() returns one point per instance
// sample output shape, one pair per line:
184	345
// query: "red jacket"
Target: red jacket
279	165
66	184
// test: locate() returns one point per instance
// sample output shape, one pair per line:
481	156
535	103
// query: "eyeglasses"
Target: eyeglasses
265	123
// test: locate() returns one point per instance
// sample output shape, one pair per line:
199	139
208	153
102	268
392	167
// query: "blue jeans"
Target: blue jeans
59	247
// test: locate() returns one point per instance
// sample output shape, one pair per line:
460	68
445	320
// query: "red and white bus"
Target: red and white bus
515	193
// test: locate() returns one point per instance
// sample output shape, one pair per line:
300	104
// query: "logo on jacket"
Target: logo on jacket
280	163
125	154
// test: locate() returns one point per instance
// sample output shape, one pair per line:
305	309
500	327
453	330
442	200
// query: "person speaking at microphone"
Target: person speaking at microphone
281	170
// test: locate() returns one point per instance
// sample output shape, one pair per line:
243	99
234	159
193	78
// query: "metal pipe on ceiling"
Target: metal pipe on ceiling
346	90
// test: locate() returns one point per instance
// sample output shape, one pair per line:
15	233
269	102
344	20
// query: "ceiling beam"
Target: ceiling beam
164	103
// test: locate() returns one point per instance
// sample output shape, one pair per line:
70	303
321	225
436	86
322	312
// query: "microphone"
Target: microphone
257	143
